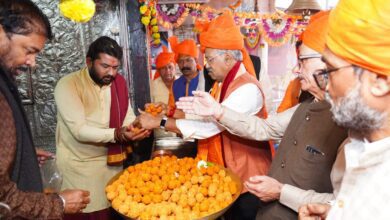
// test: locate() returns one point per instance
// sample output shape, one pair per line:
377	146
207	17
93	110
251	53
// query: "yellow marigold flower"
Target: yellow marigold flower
153	11
143	9
77	10
153	21
145	20
155	29
156	36
157	41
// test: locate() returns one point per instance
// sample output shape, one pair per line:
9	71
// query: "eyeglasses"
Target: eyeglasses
210	60
322	76
301	58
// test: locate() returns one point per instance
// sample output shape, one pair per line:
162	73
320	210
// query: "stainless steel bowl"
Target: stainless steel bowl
176	145
169	143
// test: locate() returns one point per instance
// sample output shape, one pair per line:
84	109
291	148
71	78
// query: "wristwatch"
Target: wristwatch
163	122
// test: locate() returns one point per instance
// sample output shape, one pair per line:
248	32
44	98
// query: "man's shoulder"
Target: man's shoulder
73	78
249	78
178	80
157	82
247	81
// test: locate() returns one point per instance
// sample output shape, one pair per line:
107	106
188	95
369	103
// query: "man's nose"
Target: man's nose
31	60
296	69
111	72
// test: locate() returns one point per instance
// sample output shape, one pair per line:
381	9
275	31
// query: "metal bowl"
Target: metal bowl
175	145
213	216
169	143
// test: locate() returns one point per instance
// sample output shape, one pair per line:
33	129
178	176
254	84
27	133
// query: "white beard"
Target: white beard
351	112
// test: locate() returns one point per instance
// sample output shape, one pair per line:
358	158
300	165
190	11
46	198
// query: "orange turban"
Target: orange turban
315	34
163	59
359	32
186	47
222	33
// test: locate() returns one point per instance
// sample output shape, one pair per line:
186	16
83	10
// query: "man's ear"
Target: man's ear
89	62
228	58
380	85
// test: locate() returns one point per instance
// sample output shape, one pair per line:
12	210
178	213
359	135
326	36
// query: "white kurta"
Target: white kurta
365	189
246	99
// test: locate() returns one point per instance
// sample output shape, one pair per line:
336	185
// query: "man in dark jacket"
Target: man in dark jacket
24	30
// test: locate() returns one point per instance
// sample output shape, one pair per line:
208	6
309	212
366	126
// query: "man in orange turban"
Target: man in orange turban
234	85
310	139
313	40
164	76
357	80
223	33
186	56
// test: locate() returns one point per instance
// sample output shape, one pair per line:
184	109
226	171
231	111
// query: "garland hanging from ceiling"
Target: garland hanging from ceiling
276	29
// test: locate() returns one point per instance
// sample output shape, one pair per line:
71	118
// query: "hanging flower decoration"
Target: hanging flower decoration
78	10
149	19
299	27
172	15
277	30
251	33
194	9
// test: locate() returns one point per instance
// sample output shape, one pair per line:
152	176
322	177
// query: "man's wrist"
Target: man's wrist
171	111
163	122
120	136
280	186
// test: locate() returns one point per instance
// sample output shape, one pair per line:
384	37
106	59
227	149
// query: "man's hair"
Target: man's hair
23	17
237	55
104	45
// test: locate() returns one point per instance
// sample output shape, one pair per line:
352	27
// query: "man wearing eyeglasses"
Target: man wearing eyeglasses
229	64
357	81
310	140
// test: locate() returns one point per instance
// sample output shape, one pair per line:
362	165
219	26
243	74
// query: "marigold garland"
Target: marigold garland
173	17
78	10
276	28
148	18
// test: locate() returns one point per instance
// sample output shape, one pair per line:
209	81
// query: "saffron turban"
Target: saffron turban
315	34
163	59
222	33
186	47
359	33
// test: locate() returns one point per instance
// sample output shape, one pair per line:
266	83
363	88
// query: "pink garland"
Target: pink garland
277	31
171	18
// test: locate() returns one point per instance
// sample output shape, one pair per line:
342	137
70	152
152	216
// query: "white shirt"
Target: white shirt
365	189
246	99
